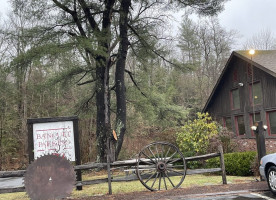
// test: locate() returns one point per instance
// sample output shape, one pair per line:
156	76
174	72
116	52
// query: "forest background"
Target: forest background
114	64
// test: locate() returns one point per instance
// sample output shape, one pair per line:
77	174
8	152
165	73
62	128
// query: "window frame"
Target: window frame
237	127
268	123
251	96
224	122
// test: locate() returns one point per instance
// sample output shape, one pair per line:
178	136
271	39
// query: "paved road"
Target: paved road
242	195
11	182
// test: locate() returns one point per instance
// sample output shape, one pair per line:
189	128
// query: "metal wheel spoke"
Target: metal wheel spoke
169	179
174	160
160	178
165	182
176	171
155	179
167	154
152	154
148	156
171	157
144	170
157	153
162	152
147	162
150	177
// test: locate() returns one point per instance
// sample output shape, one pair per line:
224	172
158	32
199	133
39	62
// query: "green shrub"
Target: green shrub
195	135
236	164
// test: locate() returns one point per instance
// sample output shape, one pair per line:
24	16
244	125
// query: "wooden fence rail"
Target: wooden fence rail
115	165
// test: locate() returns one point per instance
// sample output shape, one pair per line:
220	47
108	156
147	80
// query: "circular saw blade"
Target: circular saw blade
49	177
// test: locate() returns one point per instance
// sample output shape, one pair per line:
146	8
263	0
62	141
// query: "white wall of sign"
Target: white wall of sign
54	138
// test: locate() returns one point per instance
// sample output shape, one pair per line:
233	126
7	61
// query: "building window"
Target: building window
256	93
227	123
235	99
272	122
240	128
253	120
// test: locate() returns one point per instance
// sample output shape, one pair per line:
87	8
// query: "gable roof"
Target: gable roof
262	59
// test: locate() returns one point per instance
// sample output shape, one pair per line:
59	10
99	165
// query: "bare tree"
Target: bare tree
205	45
264	40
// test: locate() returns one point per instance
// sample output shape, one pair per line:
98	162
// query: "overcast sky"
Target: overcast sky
248	17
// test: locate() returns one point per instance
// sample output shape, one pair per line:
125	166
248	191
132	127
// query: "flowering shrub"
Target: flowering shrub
195	135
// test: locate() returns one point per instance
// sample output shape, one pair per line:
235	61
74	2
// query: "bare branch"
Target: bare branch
134	82
88	15
63	7
84	106
86	82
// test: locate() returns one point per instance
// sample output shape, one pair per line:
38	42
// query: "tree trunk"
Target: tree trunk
120	78
103	92
103	113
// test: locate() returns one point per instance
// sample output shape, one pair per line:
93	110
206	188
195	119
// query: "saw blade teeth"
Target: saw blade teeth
49	176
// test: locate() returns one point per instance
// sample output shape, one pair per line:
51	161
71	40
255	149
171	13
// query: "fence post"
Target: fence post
108	167
222	165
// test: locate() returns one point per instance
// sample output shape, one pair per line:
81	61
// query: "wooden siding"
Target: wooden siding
220	104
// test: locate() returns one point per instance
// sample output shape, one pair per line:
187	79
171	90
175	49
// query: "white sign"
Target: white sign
54	138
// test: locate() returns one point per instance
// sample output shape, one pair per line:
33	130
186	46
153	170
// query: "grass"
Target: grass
135	186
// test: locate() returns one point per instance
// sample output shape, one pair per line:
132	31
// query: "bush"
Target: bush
223	138
236	164
195	135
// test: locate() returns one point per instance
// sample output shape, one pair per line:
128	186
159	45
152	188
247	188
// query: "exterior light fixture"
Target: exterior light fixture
265	127
251	52
240	84
253	128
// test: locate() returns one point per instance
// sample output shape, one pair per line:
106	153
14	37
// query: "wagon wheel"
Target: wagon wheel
161	166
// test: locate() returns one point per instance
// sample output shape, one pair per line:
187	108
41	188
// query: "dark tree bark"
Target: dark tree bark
119	76
102	110
102	75
103	92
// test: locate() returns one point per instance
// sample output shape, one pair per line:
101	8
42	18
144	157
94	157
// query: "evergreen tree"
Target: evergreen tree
100	33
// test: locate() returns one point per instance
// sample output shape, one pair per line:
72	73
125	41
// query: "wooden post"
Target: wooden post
108	167
77	149
260	141
222	165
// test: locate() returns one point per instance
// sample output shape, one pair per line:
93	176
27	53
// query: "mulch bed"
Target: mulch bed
159	195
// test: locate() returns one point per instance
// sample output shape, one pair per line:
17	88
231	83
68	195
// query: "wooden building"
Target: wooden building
245	93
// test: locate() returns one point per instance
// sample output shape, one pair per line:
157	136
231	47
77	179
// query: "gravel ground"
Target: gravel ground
163	195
